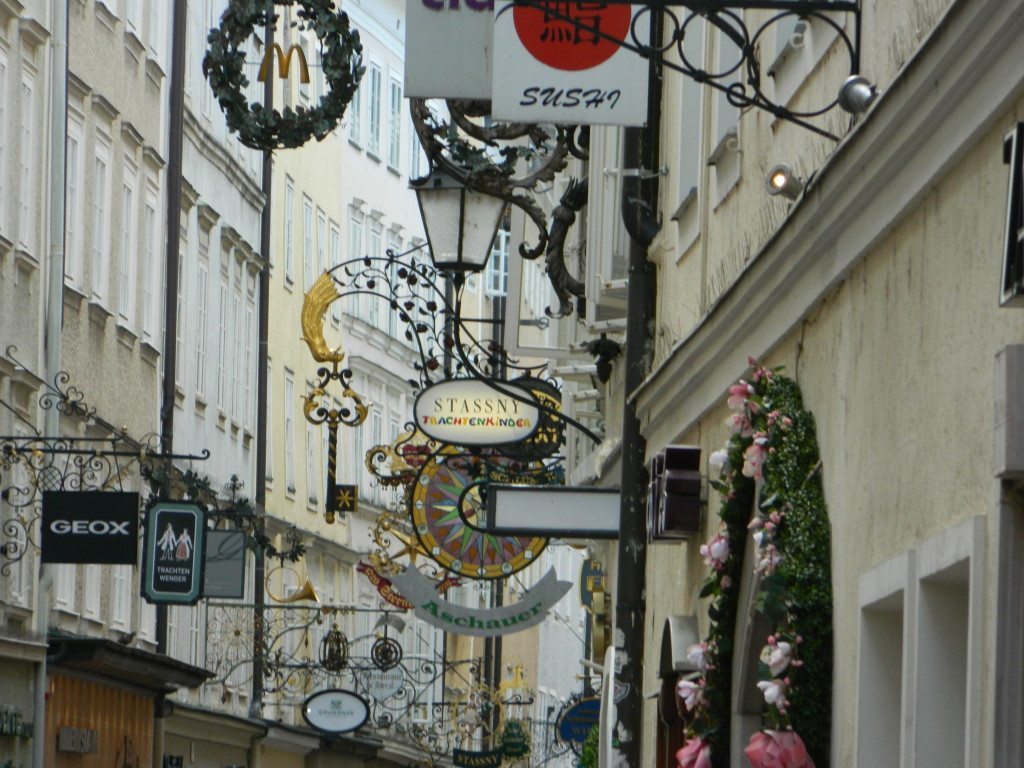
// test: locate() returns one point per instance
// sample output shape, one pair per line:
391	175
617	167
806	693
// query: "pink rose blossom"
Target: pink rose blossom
753	460
777	749
691	692
739	394
774	693
726	582
694	754
768	561
697	654
739	424
779	657
716	552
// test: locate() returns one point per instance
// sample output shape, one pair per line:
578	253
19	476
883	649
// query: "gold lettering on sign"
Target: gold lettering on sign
283	63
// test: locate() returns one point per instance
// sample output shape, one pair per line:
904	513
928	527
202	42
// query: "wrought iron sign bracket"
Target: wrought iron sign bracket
675	17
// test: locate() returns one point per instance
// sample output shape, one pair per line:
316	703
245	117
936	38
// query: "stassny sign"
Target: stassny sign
470	412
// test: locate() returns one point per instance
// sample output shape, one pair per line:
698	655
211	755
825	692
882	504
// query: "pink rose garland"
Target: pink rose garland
777	749
695	753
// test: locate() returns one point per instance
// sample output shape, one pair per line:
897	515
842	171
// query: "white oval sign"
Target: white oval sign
335	711
472	412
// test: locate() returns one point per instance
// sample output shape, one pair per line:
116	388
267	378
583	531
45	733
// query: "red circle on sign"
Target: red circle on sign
559	43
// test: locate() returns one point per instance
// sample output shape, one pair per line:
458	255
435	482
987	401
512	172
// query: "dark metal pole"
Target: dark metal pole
256	705
174	155
639	213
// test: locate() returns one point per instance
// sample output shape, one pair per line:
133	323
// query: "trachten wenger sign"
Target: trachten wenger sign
90	527
335	711
434	67
471	412
483	622
174	553
559	63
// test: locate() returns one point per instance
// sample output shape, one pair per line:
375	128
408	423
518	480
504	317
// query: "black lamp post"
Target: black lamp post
460	223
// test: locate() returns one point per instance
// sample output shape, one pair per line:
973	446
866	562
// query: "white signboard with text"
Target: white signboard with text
558	63
476	412
448	48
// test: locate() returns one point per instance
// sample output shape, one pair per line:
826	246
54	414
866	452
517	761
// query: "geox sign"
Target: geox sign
90	527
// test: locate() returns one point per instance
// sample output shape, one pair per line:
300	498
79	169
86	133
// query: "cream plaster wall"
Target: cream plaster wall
896	364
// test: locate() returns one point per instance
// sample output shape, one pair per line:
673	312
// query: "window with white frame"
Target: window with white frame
91	591
181	332
311	460
373	109
202	306
416	164
249	370
374	246
355	117
26	160
148	269
377	435
289	230
395	246
74	198
307	241
920	661
127	280
206	99
690	117
321	242
64	582
133	15
100	218
496	273
237	344
120	596
155	37
19	582
335	256
317	60
355	249
269	416
307	47
4	99
289	430
394	124
223	308
725	153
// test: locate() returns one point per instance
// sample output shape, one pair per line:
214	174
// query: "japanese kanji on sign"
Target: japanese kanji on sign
560	62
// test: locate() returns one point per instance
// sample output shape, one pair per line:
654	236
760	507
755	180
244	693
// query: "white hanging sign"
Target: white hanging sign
448	48
383	684
335	711
558	63
474	412
482	622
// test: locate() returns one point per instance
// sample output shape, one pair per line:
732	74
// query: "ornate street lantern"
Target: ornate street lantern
460	223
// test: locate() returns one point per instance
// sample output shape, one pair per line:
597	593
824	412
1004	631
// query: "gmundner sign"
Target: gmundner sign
335	711
473	412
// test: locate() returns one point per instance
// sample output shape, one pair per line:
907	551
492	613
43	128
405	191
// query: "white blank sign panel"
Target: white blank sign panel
584	513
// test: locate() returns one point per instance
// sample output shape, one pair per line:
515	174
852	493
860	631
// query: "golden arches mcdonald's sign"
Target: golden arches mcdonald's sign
283	63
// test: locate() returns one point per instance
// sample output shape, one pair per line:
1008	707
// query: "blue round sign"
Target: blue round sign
576	721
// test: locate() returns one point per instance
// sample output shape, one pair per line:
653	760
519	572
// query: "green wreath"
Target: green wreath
256	126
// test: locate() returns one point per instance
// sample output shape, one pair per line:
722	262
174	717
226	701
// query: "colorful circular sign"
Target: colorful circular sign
335	711
578	719
446	504
569	36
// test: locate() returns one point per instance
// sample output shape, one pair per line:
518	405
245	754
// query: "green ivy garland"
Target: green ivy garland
773	444
256	126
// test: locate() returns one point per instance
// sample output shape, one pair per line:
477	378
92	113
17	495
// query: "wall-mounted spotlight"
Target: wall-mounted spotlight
782	181
857	94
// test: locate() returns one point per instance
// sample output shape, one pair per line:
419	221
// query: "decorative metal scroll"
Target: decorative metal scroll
742	80
33	464
416	696
486	158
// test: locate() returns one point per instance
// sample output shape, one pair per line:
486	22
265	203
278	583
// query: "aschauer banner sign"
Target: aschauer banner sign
90	527
174	553
480	622
473	412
